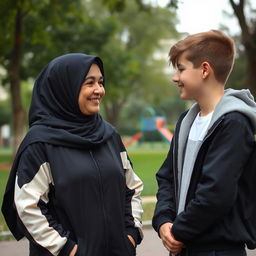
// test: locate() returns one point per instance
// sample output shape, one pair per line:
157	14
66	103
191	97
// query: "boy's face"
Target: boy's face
188	78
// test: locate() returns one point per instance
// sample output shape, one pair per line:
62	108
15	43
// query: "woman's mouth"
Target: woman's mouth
95	100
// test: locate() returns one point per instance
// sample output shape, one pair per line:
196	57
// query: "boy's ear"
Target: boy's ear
206	69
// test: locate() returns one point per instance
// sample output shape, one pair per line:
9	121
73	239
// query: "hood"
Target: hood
236	100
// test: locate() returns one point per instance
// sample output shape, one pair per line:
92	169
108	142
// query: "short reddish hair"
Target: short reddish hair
213	46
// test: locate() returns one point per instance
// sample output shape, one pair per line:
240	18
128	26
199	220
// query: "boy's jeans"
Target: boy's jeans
235	252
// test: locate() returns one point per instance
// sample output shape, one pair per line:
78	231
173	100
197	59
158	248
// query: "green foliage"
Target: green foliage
57	34
5	112
132	72
3	180
237	79
125	34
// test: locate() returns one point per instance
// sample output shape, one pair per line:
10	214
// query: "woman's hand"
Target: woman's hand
132	240
74	250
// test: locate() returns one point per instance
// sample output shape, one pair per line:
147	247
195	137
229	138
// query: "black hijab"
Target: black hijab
54	111
55	118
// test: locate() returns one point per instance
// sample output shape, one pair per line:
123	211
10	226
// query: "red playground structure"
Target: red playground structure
151	122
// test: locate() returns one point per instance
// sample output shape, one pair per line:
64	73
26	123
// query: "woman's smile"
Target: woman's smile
95	100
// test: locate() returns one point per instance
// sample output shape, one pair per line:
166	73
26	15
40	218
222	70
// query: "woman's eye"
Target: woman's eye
90	83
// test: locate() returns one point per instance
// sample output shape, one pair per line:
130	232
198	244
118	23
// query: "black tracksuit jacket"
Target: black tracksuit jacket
220	210
66	196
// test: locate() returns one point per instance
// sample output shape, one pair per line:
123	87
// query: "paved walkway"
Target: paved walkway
151	246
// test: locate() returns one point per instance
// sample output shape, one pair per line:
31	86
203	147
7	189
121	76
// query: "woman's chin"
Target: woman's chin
91	111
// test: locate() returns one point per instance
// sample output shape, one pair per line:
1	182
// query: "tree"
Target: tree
4	112
12	14
248	39
117	38
129	56
39	31
31	29
13	29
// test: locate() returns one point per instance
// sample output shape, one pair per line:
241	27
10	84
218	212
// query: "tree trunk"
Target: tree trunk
18	112
112	112
251	74
248	36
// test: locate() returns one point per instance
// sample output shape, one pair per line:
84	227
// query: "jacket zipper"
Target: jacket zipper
211	132
175	171
174	174
101	196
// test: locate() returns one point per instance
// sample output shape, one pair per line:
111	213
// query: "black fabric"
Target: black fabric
54	109
235	252
55	118
87	200
220	207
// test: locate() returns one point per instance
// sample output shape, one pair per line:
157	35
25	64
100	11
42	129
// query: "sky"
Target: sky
202	15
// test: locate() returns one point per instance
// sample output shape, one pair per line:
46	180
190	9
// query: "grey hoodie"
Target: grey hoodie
233	100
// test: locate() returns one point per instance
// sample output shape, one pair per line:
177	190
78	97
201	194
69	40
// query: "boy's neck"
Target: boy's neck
209	101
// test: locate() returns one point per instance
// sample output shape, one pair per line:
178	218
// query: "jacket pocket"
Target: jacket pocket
130	246
81	248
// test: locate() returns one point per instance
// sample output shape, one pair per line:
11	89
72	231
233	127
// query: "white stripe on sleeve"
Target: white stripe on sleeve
133	182
26	199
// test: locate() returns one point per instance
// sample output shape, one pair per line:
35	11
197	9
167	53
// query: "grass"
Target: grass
5	155
3	179
5	158
146	164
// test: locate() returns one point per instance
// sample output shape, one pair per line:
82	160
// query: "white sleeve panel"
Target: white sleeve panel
26	200
133	182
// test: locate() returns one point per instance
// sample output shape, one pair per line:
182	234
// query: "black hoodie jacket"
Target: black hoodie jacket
220	206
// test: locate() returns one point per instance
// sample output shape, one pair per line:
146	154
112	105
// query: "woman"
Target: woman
72	190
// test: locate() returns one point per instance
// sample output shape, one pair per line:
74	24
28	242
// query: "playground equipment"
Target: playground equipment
151	122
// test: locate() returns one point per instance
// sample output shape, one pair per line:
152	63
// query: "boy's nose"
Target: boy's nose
175	79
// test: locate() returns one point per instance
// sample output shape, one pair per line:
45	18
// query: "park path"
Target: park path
151	246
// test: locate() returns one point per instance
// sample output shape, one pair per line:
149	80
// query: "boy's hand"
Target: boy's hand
169	242
74	250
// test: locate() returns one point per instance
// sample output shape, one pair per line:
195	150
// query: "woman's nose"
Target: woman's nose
98	88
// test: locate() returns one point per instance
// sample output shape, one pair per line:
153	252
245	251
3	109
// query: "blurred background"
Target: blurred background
133	39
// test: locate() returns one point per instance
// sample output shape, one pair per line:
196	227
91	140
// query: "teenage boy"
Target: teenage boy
206	198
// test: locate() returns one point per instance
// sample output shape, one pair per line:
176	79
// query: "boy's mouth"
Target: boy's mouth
180	85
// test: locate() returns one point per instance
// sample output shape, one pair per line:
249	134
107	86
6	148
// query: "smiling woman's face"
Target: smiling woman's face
92	91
